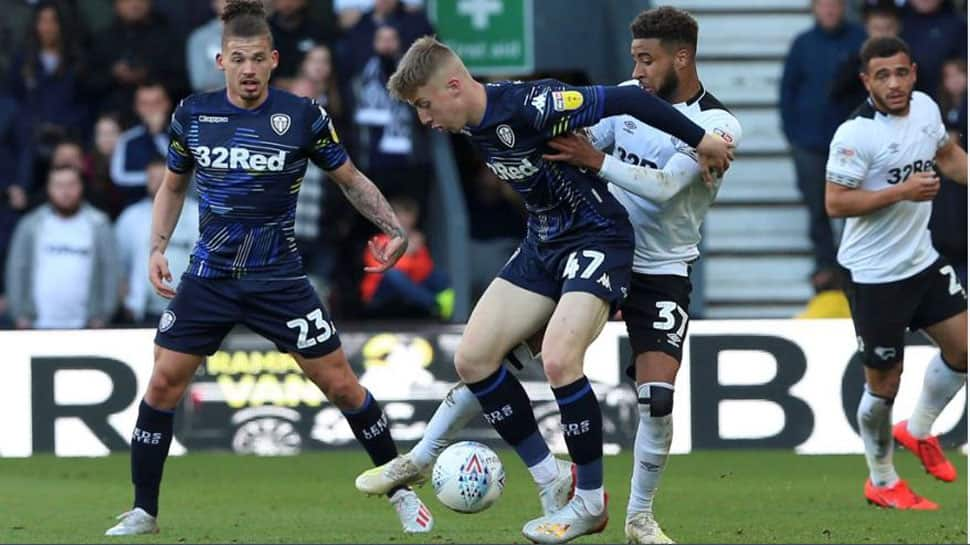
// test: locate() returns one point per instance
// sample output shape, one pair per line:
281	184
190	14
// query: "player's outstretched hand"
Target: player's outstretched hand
575	150
714	154
158	274
920	186
386	252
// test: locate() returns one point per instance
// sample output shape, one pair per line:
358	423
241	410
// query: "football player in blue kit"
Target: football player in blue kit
249	145
572	269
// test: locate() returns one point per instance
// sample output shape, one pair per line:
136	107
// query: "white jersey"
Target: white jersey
63	264
874	151
667	234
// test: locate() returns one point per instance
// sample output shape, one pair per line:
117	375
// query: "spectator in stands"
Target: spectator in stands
45	79
881	20
140	144
414	287
935	32
142	306
349	12
953	98
61	271
295	34
357	46
101	191
315	248
388	148
204	44
496	217
810	116
948	223
68	153
138	47
13	195
317	69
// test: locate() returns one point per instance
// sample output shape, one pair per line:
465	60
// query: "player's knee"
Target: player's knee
561	368
345	392
472	366
883	384
164	391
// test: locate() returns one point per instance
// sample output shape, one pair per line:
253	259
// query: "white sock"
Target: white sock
876	430
654	435
940	384
545	471
452	415
593	498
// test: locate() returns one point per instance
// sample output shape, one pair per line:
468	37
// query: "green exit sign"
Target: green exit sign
491	36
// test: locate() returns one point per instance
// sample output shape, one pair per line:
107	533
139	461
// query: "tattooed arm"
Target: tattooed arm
368	200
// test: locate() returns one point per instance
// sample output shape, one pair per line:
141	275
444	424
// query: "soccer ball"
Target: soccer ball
468	477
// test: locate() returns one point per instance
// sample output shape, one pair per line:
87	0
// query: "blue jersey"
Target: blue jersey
249	165
564	203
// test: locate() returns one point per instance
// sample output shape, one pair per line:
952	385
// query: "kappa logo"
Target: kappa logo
166	321
605	281
885	353
280	123
506	135
539	103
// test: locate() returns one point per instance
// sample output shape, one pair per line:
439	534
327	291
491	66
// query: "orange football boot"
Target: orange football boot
899	496
928	451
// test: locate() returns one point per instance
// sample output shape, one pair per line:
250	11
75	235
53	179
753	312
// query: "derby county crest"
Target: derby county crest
506	135
280	123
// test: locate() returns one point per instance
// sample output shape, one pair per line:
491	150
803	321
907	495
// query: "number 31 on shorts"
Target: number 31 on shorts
326	329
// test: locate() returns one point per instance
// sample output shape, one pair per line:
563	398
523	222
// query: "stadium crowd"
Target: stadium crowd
88	88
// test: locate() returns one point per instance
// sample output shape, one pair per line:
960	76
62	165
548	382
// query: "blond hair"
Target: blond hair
419	64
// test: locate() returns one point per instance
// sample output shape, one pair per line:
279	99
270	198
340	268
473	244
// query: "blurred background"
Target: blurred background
91	85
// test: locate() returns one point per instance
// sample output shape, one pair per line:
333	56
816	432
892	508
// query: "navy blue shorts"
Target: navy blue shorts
598	266
287	312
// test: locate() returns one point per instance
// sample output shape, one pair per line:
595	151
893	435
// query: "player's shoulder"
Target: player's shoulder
711	114
858	122
924	105
198	102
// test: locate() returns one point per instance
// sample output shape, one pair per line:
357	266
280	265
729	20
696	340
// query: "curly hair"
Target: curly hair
245	19
668	24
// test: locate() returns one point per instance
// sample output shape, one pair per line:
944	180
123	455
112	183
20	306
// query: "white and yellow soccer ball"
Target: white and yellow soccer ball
468	477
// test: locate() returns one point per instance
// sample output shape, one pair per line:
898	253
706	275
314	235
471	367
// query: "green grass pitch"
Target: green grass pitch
721	497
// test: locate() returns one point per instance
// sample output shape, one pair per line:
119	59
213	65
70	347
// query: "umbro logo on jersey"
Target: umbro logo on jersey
213	119
280	123
506	135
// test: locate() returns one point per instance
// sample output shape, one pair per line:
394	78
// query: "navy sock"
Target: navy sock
507	408
372	431
149	448
582	426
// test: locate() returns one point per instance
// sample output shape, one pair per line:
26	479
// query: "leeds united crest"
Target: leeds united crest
506	135
280	123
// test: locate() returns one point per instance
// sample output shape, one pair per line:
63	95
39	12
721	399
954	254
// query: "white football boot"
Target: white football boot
641	528
555	494
566	524
133	523
414	514
401	471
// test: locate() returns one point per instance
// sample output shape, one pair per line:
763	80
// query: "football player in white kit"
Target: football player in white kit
657	179
882	177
